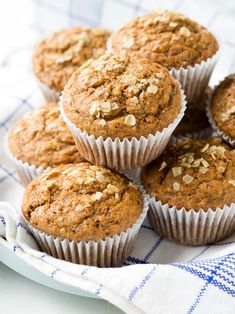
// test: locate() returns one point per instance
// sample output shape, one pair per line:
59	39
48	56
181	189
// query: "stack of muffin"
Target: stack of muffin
116	109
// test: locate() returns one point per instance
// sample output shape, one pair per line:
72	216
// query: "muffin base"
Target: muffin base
108	252
190	227
122	154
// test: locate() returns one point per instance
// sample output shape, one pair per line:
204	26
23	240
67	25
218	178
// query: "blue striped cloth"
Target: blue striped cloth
159	276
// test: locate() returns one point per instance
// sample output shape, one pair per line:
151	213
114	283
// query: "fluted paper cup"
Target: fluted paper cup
107	252
190	227
219	132
122	154
50	94
193	78
26	172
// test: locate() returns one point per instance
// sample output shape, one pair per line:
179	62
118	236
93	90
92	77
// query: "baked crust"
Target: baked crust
113	97
82	202
193	174
169	38
56	57
41	138
223	106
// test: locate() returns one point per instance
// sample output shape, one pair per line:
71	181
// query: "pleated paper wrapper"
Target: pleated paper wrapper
190	227
122	154
50	94
108	252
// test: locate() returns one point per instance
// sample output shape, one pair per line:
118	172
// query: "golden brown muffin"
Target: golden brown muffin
41	138
193	174
113	97
56	57
223	106
82	202
170	38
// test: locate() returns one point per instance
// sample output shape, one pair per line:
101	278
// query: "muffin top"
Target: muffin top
223	106
56	57
113	97
170	38
41	138
82	202
193	174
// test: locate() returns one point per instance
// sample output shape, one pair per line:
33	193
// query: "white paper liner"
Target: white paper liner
191	227
108	252
193	79
49	93
25	171
122	154
220	133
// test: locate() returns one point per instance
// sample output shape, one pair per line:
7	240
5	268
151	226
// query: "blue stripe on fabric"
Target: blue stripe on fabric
199	254
23	101
85	271
224	243
142	284
2	125
14	248
54	273
223	287
209	280
208	247
98	291
10	174
147	227
135	260
2	220
153	249
199	296
137	8
24	228
3	178
208	271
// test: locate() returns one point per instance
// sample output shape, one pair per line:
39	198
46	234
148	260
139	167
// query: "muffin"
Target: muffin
183	46
56	57
192	186
121	114
221	110
84	213
41	140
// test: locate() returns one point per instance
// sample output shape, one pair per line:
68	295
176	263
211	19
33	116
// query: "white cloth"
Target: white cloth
159	276
189	287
